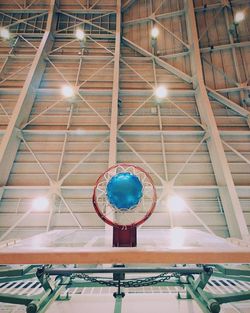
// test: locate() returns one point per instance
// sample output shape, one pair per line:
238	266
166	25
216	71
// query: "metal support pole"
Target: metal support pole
232	297
117	270
233	212
13	272
15	299
210	300
11	140
115	93
118	303
43	301
206	303
52	290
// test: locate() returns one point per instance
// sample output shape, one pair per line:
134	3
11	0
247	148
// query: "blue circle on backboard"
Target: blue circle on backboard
124	191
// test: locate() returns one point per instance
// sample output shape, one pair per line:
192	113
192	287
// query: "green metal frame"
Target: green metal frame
56	281
15	272
38	303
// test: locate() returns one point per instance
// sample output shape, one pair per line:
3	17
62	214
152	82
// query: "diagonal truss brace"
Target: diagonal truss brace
11	140
228	103
158	61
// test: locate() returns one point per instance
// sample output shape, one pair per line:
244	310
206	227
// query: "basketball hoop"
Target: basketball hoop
124	197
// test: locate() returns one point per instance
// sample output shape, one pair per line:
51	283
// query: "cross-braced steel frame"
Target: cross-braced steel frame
115	113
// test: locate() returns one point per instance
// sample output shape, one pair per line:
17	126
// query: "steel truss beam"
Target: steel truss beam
153	16
90	188
242	87
11	139
115	92
158	61
104	92
242	44
228	103
218	5
238	75
48	132
175	13
233	212
22	10
83	21
117	270
80	11
127	4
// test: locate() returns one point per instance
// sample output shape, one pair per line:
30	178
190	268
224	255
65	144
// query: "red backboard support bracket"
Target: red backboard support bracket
125	237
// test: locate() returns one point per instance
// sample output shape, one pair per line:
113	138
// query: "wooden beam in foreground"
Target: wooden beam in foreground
122	255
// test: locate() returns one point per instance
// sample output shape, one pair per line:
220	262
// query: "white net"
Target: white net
132	216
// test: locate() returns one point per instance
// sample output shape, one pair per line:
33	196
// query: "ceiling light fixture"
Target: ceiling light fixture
161	92
154	32
40	204
67	91
80	35
239	17
4	33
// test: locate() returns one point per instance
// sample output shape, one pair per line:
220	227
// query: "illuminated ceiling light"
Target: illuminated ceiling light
176	203
67	91
4	33
40	204
154	32
161	92
239	17
80	35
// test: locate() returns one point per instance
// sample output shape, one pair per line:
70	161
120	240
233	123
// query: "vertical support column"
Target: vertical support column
11	140
234	216
115	93
118	304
